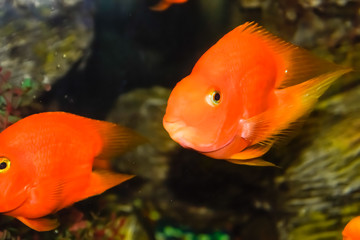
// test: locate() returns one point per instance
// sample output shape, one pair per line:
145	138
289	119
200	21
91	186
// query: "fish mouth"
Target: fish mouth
176	132
185	135
9	204
8	211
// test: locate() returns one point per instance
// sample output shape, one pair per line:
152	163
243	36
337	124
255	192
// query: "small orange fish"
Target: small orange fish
352	230
243	92
165	4
48	162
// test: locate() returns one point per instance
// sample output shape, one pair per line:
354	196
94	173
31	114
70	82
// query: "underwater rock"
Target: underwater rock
321	3
42	40
319	190
143	110
311	23
252	3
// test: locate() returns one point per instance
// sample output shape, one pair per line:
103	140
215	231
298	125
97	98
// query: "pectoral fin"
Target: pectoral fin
250	156
254	151
40	224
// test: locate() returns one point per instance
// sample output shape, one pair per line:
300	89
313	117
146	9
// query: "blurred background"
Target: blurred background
117	60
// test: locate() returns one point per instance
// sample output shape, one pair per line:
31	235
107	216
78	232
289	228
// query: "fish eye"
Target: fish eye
214	98
4	164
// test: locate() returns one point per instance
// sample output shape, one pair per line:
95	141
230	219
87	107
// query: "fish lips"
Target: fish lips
177	132
184	135
12	204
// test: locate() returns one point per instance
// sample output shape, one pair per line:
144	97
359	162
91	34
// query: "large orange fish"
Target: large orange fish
243	92
48	162
352	230
165	4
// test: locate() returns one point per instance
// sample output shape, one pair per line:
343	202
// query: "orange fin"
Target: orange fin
303	66
312	89
40	224
296	65
101	180
252	162
165	4
116	140
258	129
161	6
253	151
298	100
264	129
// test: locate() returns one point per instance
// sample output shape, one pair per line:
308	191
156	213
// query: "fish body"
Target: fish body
165	4
243	92
48	162
352	230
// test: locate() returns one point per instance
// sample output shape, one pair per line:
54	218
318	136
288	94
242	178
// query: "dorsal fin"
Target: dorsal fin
295	64
304	66
116	139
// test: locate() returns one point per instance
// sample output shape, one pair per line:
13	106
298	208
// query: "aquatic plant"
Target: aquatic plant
10	98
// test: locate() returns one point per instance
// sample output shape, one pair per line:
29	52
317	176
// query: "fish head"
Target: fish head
16	176
199	114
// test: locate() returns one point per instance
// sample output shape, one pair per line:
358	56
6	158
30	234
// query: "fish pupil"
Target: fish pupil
3	165
217	96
